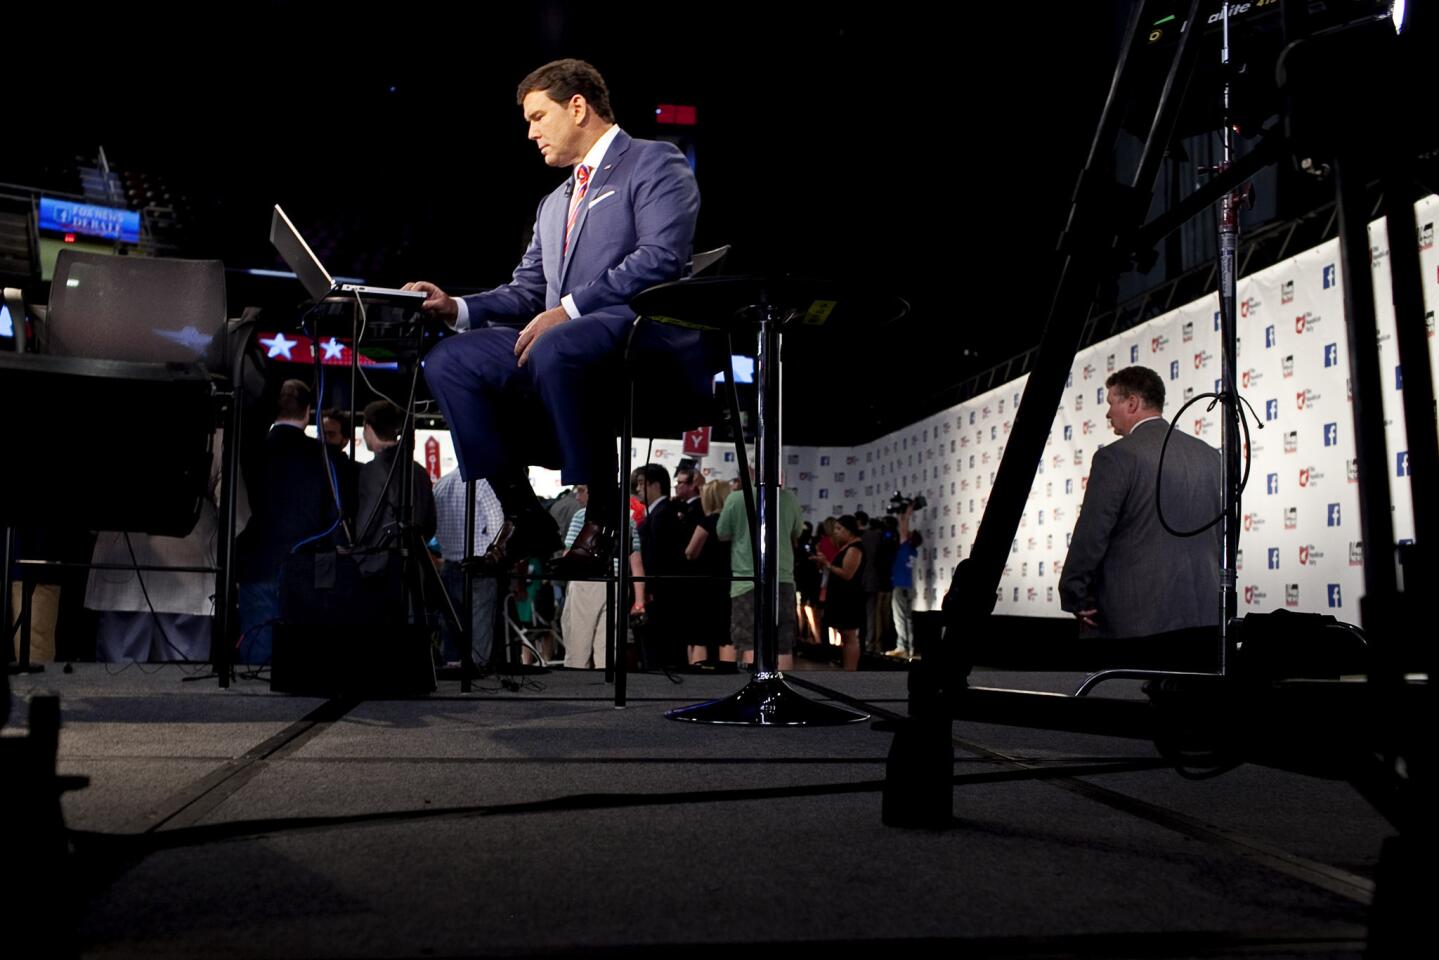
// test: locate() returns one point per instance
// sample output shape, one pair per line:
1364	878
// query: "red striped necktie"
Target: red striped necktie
582	186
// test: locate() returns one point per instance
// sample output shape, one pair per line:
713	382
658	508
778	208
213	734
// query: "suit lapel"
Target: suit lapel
598	180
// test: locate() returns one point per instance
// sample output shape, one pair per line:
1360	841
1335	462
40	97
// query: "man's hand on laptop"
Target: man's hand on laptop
437	301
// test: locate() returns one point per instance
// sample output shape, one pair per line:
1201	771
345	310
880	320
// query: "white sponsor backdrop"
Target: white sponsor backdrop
1300	545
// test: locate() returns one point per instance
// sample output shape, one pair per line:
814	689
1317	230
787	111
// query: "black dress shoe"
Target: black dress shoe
532	534
590	556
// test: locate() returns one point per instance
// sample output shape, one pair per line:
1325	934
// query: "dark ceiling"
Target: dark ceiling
928	150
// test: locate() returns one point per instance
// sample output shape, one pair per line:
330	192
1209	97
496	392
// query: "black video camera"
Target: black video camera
900	503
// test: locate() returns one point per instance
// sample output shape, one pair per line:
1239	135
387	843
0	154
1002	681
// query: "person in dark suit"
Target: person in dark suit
664	534
338	434
1125	576
622	221
378	517
292	511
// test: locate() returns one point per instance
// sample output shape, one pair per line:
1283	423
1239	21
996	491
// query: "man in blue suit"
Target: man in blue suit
549	340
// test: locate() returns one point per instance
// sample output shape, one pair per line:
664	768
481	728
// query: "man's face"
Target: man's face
1124	411
556	127
684	486
334	435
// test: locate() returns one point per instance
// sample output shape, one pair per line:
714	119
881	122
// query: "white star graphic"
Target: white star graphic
334	349
279	346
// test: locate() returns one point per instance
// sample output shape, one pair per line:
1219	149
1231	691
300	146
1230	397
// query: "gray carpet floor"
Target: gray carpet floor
544	821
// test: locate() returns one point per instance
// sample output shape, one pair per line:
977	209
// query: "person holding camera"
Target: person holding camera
902	577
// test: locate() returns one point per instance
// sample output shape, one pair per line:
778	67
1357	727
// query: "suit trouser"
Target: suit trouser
557	410
582	621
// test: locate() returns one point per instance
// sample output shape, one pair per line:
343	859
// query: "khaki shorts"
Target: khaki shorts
741	620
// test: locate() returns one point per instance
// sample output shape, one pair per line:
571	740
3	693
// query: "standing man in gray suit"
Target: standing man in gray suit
1125	575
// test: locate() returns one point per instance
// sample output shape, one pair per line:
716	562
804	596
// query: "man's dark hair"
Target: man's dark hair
296	400
340	415
849	523
654	473
684	470
861	518
562	79
1139	381
916	539
385	419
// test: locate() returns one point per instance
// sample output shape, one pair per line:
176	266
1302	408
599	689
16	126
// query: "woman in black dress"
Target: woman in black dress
844	598
710	556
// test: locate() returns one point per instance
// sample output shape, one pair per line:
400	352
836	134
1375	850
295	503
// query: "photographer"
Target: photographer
902	577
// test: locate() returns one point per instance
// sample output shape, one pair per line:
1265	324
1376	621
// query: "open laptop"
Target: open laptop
317	280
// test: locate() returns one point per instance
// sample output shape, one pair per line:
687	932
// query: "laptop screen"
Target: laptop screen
297	253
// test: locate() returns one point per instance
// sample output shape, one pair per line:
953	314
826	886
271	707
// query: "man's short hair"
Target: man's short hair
341	416
1141	382
562	79
296	400
861	518
654	473
385	419
850	523
685	471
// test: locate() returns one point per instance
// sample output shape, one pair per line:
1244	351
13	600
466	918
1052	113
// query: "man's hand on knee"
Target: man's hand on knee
535	329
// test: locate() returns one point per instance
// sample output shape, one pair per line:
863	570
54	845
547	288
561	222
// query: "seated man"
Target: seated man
549	340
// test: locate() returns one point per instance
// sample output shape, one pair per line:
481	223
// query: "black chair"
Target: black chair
666	399
134	356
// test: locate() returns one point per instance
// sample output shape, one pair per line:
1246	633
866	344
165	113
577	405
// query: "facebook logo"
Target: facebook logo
1174	370
1272	483
1401	463
1134	354
1335	600
729	456
1331	354
1398	378
1099	395
1271	409
1269	336
1216	320
1069	486
1068	433
1329	282
1331	434
1273	558
1334	515
1069	382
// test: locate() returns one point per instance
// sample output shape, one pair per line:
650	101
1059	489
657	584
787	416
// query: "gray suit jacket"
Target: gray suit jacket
1122	562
